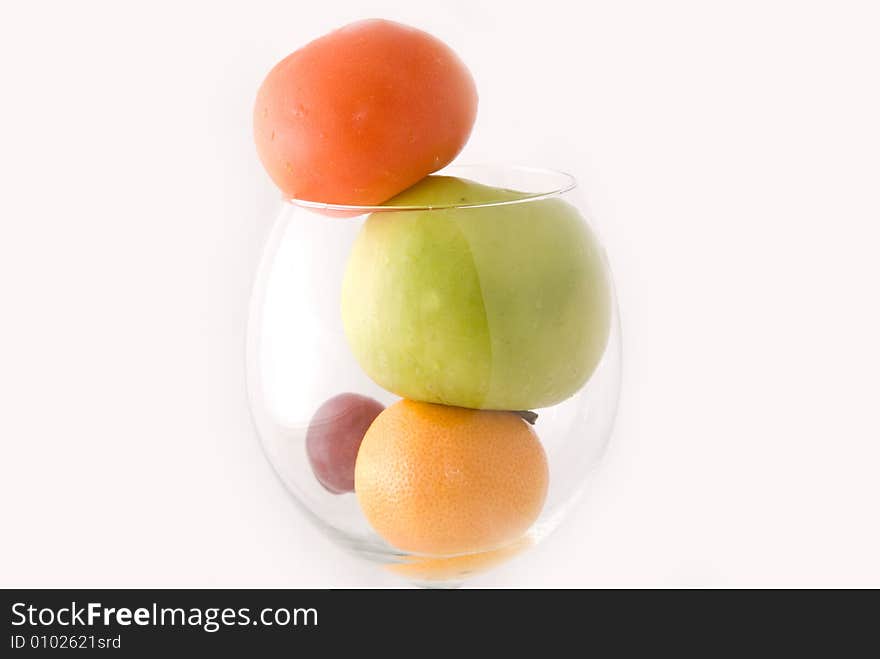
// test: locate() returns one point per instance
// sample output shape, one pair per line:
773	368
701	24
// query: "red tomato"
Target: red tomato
363	113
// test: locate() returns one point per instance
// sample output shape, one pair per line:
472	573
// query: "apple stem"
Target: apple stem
528	415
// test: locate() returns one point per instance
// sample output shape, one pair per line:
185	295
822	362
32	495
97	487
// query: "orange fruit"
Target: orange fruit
363	113
439	480
456	568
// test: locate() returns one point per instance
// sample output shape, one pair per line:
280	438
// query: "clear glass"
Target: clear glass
298	356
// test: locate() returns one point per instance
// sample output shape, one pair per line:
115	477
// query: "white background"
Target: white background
731	155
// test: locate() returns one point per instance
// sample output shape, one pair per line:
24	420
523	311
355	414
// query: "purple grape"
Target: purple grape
334	437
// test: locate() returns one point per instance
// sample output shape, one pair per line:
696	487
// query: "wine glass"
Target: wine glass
299	355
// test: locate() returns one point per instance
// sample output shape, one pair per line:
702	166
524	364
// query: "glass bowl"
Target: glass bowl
299	354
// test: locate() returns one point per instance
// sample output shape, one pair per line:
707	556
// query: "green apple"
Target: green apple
504	306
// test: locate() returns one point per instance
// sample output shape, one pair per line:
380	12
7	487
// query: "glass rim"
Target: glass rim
569	184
